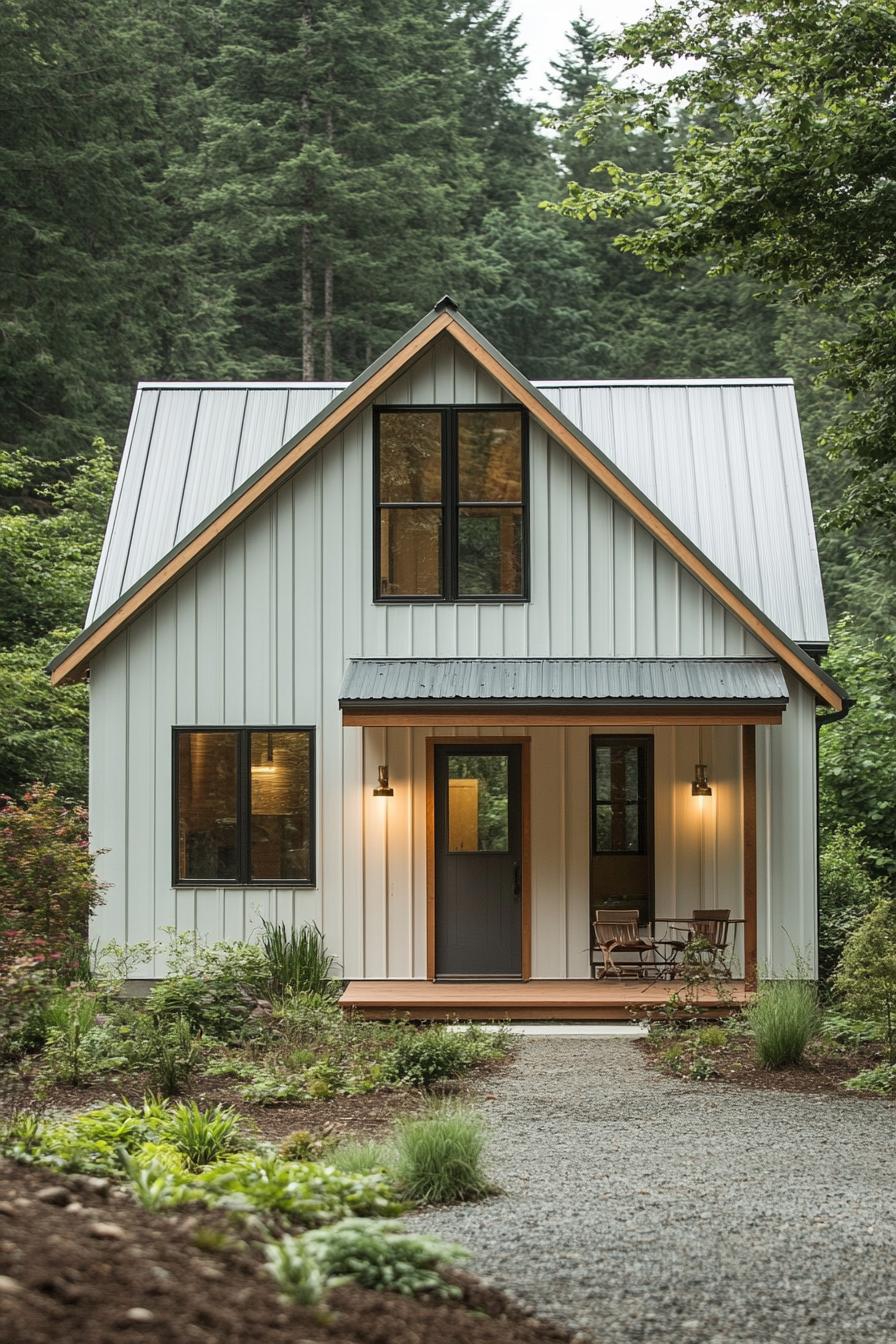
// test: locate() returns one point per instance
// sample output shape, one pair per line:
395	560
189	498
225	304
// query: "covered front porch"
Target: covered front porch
507	802
535	1000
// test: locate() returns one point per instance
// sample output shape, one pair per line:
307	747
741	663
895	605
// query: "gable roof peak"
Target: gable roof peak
445	305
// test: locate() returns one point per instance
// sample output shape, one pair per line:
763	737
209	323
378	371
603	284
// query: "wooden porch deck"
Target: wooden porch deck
530	1000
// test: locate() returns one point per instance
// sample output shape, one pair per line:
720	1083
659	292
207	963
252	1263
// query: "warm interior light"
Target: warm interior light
267	766
700	786
383	788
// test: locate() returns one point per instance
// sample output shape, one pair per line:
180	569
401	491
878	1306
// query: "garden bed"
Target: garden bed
97	1268
368	1115
692	1054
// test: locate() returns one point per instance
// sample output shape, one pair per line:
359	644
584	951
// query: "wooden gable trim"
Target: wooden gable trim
72	664
523	392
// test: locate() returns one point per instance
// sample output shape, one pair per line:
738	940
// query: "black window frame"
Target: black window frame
451	506
244	805
644	743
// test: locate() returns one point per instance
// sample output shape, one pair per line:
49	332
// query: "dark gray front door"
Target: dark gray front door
479	860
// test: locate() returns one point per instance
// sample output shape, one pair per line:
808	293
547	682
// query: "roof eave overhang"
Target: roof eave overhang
73	662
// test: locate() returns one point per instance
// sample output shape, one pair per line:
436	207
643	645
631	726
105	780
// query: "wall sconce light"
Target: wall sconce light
700	786
383	788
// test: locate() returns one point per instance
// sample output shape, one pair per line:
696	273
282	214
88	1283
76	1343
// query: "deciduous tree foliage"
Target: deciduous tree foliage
784	171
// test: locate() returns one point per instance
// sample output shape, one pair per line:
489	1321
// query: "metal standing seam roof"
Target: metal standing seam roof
722	459
751	680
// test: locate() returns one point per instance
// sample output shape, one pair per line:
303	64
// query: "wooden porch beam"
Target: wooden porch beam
751	943
565	718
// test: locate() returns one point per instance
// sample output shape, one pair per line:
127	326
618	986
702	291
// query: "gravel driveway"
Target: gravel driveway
639	1207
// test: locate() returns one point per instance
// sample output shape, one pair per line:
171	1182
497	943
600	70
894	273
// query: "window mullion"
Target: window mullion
244	805
449	505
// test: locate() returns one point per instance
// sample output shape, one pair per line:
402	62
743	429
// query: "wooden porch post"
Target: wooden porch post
751	946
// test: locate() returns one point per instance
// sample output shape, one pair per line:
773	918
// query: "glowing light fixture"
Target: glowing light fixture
700	786
383	788
266	765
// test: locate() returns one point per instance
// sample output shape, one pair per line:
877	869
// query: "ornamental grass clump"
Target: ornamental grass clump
783	1017
297	960
202	1136
438	1158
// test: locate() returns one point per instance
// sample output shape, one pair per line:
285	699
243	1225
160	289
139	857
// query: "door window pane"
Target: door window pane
207	849
477	804
410	552
280	804
410	457
490	552
490	456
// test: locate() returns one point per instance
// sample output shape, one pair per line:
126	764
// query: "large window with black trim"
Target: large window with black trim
244	806
451	504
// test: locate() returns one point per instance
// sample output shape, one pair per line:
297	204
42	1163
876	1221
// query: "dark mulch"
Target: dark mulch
101	1270
366	1116
825	1068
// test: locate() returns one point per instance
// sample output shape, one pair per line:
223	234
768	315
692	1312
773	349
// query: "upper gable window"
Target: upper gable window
451	504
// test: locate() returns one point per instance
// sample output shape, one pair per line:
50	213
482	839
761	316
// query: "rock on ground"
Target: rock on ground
644	1208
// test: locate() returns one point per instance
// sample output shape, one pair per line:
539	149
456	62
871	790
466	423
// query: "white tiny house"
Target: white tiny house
436	659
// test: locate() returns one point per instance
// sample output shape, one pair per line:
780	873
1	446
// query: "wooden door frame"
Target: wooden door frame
526	839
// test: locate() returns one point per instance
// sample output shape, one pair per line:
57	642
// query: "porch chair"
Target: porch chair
711	929
619	931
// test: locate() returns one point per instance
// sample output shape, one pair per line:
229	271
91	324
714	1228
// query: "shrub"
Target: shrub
219	1010
297	960
783	1017
48	883
439	1157
202	1136
866	979
422	1057
24	990
881	1079
712	1037
847	889
372	1252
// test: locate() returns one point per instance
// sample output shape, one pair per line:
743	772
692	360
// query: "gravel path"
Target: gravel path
638	1207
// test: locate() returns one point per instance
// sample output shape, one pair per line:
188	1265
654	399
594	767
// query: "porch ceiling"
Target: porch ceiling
515	691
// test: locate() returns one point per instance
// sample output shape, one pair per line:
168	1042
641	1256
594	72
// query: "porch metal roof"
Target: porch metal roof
755	681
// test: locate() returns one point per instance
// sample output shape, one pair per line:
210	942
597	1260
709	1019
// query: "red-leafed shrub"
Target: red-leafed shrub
48	883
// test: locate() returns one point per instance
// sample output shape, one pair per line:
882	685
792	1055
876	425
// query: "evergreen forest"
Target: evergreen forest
263	189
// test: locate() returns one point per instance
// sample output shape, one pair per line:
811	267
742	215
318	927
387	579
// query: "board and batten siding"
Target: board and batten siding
260	630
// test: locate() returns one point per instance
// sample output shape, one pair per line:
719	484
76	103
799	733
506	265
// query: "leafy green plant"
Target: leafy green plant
421	1057
218	1010
268	1087
297	960
881	1079
375	1253
297	1270
304	1192
712	1037
303	1146
866	980
25	988
172	1055
439	1157
783	1017
202	1136
77	1047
